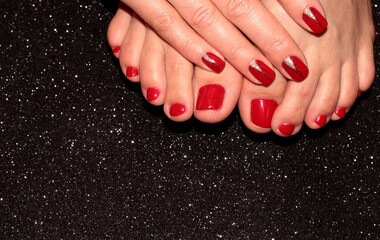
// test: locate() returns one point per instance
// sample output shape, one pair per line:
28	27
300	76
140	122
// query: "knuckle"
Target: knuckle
276	43
236	8
185	46
162	21
203	17
235	52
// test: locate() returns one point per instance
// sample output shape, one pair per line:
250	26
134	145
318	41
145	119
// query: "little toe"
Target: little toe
215	94
257	103
118	28
366	67
179	100
152	69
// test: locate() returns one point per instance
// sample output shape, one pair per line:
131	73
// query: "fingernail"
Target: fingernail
262	112
213	62
210	97
359	93
152	94
321	120
262	72
116	50
132	72
177	110
286	129
340	112
314	19
297	70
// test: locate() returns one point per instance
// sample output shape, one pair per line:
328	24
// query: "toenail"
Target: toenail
314	19
116	50
359	93
262	72
340	112
213	62
152	94
321	120
210	97
297	70
286	129
262	112
177	109
132	72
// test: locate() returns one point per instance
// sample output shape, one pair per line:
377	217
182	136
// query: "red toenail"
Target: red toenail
286	129
132	72
210	97
262	112
295	68
359	93
321	120
152	94
213	62
340	112
116	50
262	72
177	109
314	19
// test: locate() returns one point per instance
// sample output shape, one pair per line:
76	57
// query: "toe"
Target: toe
118	28
257	103
178	104
152	69
366	67
216	94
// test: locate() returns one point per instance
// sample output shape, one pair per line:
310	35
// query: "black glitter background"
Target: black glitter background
83	156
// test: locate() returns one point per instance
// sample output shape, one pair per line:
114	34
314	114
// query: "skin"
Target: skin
334	80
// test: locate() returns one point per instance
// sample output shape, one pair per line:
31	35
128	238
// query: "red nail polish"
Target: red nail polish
132	72
177	110
210	97
262	72
314	19
321	120
359	93
340	112
213	62
116	50
286	129
152	94
262	112
296	68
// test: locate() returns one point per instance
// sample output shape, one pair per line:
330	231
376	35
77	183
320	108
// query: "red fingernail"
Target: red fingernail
177	110
321	120
132	72
262	72
152	94
296	68
286	129
210	97
262	112
116	50
359	93
213	62
340	112
314	19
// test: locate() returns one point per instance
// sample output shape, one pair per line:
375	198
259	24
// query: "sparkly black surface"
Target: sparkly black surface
84	157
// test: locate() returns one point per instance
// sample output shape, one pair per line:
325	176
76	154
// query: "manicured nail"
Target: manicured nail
152	94
359	93
177	109
340	112
213	62
262	72
116	50
296	68
321	120
210	97
286	129
132	72
314	19
262	112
